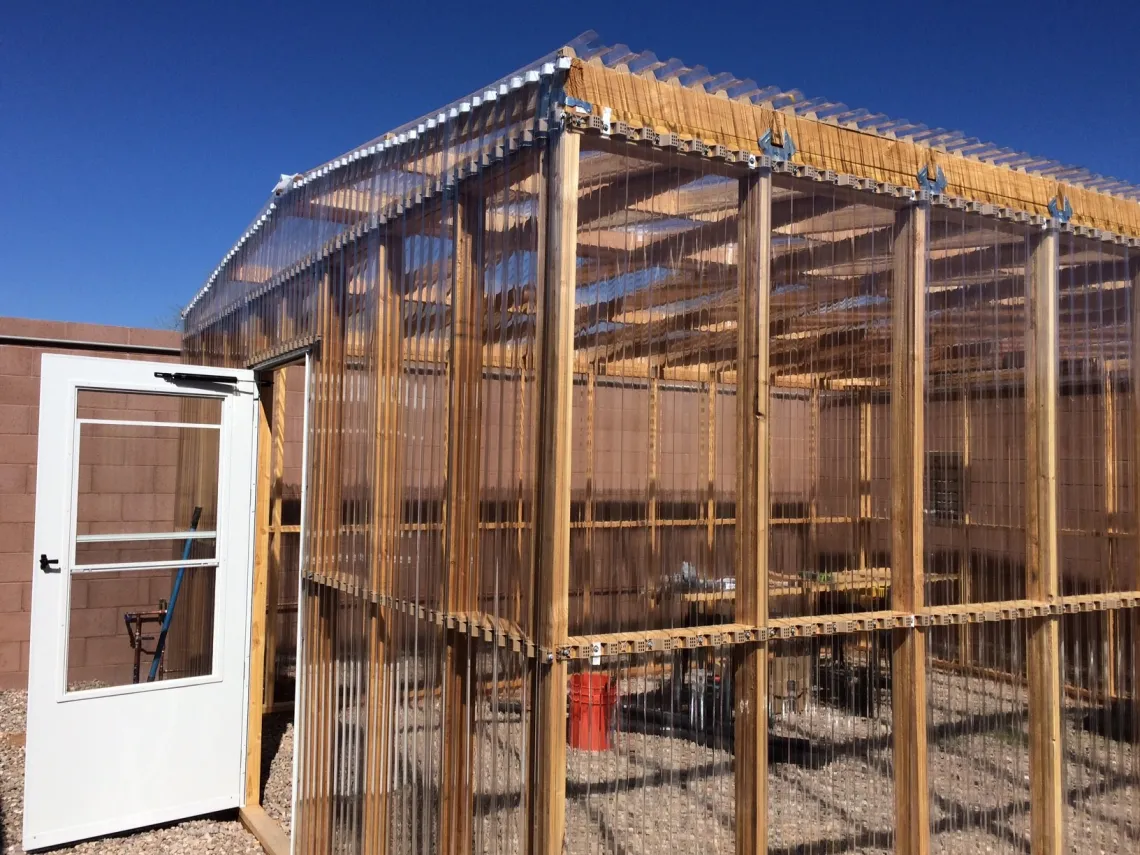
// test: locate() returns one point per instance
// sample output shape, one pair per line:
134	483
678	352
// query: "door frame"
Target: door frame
268	832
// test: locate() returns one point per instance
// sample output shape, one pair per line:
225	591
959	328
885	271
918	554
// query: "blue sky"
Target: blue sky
139	139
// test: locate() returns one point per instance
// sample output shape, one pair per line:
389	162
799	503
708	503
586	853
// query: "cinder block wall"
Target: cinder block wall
103	652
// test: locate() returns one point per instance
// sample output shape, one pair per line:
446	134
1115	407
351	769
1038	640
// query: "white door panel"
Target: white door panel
125	449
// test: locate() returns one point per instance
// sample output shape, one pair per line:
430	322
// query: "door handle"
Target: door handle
46	564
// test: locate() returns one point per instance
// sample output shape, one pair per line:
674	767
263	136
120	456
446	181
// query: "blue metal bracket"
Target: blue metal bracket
932	185
777	152
1059	213
579	104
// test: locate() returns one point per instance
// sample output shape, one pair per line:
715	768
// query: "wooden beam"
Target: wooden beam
258	611
754	240
1042	581
261	825
461	519
551	571
908	684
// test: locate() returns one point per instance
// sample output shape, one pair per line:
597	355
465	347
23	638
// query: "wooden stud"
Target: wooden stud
273	590
863	526
1132	654
754	242
1042	581
461	519
258	610
965	584
589	522
710	475
1111	521
654	453
908	685
551	571
811	540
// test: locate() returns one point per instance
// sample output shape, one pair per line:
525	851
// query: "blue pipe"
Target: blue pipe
161	645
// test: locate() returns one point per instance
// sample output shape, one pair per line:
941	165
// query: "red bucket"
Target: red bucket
592	702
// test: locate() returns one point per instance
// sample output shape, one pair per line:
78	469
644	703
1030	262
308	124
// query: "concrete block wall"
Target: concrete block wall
103	651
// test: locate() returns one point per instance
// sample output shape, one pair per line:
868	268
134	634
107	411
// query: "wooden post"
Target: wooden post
863	526
754	257
461	519
317	733
386	517
1042	582
258	605
547	790
1133	615
908	686
587	607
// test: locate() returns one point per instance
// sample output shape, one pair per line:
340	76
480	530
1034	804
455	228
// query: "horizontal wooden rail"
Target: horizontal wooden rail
682	638
503	633
701	522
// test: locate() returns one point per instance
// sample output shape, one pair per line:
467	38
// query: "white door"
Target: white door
144	512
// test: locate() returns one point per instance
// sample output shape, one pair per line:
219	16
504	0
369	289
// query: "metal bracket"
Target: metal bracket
932	185
777	152
1059	213
607	124
579	105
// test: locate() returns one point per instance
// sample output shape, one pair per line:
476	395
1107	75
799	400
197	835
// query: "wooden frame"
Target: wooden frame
752	410
1042	579
908	684
547	797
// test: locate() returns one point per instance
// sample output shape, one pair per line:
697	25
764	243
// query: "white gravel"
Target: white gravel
219	834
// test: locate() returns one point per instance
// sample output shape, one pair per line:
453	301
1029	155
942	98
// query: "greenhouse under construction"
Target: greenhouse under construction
690	465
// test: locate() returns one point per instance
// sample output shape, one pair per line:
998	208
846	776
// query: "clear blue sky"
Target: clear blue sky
139	139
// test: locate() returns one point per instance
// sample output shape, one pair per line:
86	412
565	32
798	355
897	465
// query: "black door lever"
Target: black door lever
46	564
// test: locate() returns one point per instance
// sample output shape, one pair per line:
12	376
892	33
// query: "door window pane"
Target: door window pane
139	479
147	407
115	620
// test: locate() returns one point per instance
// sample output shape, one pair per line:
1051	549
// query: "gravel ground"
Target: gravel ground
219	834
277	769
656	792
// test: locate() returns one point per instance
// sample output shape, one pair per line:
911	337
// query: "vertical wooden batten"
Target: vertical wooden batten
1042	581
1132	617
551	571
386	518
461	518
754	254
908	685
